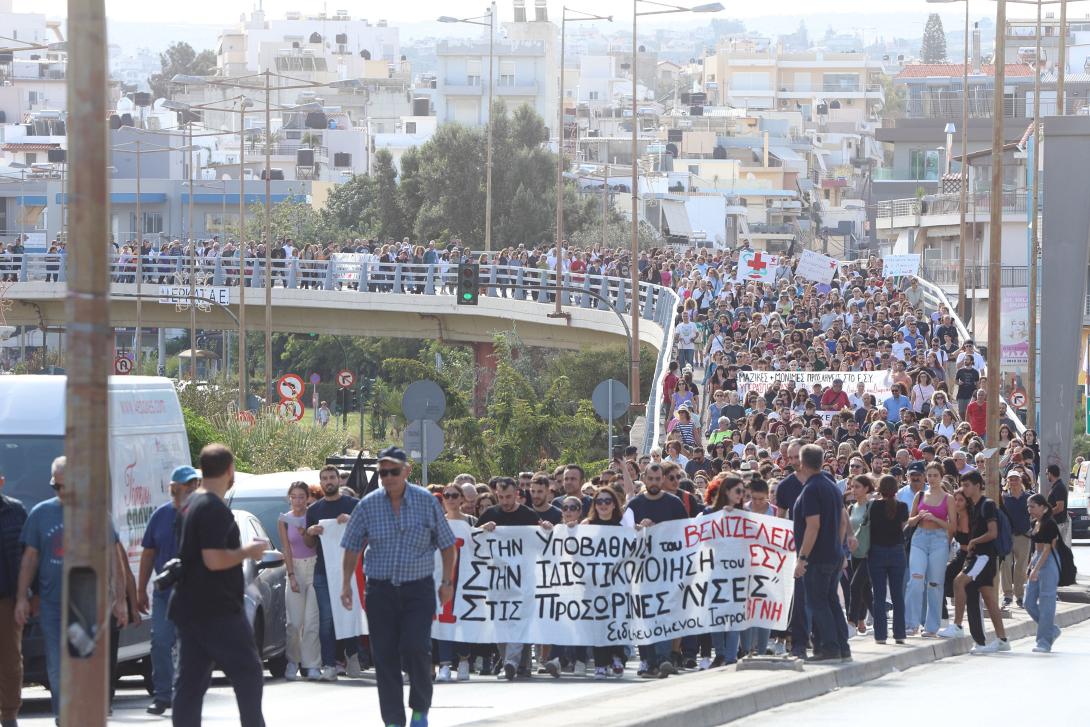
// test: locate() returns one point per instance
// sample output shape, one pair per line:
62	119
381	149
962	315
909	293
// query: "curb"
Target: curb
704	700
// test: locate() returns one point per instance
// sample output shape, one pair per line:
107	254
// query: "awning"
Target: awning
677	219
29	146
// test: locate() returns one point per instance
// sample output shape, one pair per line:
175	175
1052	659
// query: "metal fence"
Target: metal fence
947	204
948	272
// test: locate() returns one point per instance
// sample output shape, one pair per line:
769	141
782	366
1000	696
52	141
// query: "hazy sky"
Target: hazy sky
228	11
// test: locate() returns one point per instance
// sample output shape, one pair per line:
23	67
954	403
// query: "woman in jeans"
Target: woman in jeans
607	510
1044	574
862	487
886	561
304	650
729	496
449	651
933	516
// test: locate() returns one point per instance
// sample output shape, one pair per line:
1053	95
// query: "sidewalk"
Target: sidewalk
720	695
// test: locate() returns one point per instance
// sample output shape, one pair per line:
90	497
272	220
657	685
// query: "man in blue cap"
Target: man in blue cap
403	525
160	545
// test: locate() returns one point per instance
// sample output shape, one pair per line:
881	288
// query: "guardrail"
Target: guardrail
656	303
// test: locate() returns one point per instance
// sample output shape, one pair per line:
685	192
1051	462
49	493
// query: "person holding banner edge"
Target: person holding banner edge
402	525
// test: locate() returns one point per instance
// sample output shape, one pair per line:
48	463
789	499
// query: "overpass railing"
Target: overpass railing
362	273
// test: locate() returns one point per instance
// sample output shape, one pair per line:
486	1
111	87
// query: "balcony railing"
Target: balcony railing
950	204
948	272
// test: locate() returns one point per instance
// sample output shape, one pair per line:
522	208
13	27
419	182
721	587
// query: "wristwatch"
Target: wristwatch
447	583
804	558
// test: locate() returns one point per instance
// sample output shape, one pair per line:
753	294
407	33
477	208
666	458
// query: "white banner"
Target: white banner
757	266
874	382
346	623
896	265
594	585
817	267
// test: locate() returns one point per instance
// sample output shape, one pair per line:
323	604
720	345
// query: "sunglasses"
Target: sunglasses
452	495
392	472
604	501
572	508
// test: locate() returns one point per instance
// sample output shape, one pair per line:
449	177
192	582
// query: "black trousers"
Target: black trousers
399	619
859	591
227	643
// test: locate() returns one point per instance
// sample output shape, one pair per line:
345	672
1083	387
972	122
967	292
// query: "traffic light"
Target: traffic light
469	283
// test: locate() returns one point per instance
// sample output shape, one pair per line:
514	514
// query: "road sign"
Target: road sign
315	379
424	400
424	440
247	417
610	399
290	386
345	379
122	365
290	409
1018	399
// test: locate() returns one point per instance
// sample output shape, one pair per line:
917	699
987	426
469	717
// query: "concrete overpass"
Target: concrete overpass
355	297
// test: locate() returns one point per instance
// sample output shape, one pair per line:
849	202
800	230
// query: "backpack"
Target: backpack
1068	571
1004	540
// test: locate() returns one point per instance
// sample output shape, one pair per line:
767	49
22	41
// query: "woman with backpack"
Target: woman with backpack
1044	574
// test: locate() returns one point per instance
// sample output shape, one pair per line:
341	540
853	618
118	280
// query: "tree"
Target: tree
385	206
348	205
933	49
180	58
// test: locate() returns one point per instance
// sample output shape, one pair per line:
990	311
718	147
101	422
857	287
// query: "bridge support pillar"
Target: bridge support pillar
484	356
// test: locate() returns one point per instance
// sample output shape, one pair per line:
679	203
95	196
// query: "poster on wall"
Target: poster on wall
1014	326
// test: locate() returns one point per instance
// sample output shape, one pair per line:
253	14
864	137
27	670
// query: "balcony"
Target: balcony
948	272
929	209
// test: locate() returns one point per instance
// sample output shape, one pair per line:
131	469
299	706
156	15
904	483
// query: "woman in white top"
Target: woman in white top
947	424
922	391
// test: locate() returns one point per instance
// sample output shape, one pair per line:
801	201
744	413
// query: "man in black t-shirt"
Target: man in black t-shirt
207	606
977	579
1057	500
332	506
967	378
572	480
516	658
539	500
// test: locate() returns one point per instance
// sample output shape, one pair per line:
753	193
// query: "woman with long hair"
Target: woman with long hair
729	496
886	561
859	516
453	652
607	510
932	515
301	602
1044	574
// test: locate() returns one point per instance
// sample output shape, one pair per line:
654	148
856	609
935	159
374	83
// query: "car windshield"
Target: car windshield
24	462
267	509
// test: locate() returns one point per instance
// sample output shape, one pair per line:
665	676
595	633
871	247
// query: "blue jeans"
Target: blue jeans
162	648
655	654
1041	601
755	640
327	637
685	356
49	621
927	569
452	652
399	618
725	644
830	628
887	568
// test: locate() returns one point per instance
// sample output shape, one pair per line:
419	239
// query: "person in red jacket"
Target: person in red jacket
977	412
835	398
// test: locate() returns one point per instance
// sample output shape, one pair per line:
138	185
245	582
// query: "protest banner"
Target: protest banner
346	622
817	267
593	585
874	382
757	266
897	265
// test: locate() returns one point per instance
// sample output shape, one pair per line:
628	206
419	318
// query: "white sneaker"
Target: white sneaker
1004	644
778	648
618	667
989	648
704	664
313	674
444	673
329	674
599	672
952	631
552	668
352	667
580	668
291	673
1041	650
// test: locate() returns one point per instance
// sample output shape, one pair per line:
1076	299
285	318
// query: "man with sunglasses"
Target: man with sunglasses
402	525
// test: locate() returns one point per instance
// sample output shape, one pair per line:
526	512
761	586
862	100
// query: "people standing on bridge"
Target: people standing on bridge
332	506
12	518
401	525
160	544
1044	573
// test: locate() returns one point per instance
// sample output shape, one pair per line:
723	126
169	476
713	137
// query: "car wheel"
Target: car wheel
277	665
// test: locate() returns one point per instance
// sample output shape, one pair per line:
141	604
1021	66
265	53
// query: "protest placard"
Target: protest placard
757	266
874	382
896	265
817	267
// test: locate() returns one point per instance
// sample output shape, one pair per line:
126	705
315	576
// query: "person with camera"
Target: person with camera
160	546
207	605
402	525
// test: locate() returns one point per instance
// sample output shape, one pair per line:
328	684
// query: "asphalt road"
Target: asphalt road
463	703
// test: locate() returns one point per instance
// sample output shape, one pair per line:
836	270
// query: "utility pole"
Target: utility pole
488	150
88	544
995	249
139	334
243	387
963	302
268	245
634	251
1061	70
192	268
1035	185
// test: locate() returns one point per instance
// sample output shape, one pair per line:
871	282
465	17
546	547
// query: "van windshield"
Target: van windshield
24	462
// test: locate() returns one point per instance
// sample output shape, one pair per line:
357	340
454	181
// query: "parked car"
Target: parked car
265	581
266	496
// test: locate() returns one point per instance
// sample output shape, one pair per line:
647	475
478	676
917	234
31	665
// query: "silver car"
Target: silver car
265	581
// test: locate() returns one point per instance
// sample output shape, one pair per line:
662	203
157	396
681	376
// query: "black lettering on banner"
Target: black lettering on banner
477	568
473	602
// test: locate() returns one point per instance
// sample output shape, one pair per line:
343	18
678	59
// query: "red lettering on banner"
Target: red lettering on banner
446	616
361	583
734	526
764	609
765	557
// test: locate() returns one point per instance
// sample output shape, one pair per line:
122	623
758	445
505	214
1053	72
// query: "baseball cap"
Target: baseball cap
915	467
184	474
394	453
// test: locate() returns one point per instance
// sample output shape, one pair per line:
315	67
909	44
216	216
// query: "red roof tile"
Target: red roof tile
954	70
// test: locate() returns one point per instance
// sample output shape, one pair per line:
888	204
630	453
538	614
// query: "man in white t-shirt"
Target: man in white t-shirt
686	341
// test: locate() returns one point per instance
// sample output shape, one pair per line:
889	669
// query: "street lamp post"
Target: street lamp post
995	249
560	146
634	252
491	25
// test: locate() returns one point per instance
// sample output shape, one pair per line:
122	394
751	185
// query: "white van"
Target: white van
147	440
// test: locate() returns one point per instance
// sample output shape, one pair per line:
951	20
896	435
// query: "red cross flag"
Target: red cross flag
756	265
